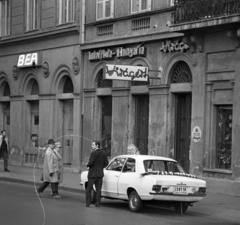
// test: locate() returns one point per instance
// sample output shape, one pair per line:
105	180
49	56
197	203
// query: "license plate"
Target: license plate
180	190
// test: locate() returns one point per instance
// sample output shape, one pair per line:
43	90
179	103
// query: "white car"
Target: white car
141	179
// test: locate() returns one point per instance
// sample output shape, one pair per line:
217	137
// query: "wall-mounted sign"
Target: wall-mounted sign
124	72
119	53
196	134
28	60
178	46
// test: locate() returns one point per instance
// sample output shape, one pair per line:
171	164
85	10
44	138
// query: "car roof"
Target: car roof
146	157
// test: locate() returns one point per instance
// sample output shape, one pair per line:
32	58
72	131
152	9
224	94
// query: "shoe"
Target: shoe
38	193
6	170
87	205
57	196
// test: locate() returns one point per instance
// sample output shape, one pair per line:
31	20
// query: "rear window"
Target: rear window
162	166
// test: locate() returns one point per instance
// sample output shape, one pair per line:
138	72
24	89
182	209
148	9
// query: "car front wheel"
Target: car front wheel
135	203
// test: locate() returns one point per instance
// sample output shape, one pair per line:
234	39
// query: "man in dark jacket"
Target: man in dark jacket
4	147
98	160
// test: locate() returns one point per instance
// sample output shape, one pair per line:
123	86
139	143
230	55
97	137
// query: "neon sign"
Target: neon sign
28	60
174	47
124	72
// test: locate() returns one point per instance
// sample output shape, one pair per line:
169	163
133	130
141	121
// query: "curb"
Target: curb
27	182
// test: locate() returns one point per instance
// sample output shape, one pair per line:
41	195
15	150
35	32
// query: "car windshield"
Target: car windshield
162	166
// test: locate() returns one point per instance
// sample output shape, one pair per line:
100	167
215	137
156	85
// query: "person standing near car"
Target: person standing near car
97	162
4	147
50	171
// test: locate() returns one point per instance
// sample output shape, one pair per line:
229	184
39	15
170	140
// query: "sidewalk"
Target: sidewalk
214	205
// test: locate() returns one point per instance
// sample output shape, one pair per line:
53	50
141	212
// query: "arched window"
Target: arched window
68	86
6	91
181	74
35	88
103	83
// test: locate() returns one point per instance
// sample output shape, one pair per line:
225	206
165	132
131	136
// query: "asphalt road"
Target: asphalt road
19	205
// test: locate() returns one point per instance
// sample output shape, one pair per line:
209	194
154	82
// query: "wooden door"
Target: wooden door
183	129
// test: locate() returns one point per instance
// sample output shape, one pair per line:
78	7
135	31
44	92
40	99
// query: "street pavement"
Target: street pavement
214	205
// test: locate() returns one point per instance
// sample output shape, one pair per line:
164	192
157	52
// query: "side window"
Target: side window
117	164
104	9
130	165
32	14
140	5
66	11
4	18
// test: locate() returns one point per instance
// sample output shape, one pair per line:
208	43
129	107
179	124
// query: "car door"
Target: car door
127	178
111	176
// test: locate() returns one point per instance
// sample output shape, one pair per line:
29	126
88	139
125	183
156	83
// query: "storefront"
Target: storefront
40	98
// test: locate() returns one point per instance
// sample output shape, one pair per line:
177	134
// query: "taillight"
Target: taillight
156	188
202	190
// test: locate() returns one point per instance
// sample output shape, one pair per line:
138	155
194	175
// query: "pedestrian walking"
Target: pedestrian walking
50	170
4	149
57	151
97	161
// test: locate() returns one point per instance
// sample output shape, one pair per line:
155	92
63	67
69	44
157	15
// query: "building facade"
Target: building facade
40	82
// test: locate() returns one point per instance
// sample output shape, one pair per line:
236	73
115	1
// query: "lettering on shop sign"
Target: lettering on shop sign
178	46
119	53
122	72
28	60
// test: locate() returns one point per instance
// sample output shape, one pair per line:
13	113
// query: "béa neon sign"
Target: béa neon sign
28	60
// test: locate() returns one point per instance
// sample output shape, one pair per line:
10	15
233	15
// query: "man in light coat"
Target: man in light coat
50	170
4	148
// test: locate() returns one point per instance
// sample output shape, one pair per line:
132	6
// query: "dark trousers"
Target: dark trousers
5	159
54	187
98	185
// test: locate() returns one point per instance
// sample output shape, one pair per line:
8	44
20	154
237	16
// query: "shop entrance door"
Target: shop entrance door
183	129
141	123
67	131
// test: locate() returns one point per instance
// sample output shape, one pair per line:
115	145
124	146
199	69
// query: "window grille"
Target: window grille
181	74
141	24
105	30
103	83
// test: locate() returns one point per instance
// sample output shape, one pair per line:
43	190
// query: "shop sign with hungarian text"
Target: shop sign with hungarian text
125	72
119	53
28	60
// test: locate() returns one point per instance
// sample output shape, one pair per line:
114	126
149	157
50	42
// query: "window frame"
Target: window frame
104	12
149	6
4	19
65	20
32	20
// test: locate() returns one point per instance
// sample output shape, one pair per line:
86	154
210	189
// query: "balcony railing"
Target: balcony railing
194	10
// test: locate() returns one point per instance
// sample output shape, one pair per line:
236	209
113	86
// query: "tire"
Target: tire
135	203
181	207
93	196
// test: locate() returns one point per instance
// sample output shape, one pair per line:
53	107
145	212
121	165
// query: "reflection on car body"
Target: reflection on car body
150	179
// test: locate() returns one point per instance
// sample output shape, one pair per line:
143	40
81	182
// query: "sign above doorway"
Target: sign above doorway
125	72
29	60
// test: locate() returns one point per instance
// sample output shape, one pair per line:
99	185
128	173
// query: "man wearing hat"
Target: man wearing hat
4	147
50	170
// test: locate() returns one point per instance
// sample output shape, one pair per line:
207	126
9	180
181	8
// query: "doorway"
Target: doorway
183	129
6	118
67	138
141	123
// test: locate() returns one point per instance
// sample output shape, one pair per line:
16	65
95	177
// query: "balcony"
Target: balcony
190	14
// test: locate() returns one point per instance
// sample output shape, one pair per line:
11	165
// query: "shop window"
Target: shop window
104	9
106	124
140	5
224	137
103	83
4	17
32	14
66	11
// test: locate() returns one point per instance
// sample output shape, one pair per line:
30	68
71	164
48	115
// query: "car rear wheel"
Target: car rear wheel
135	203
181	207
